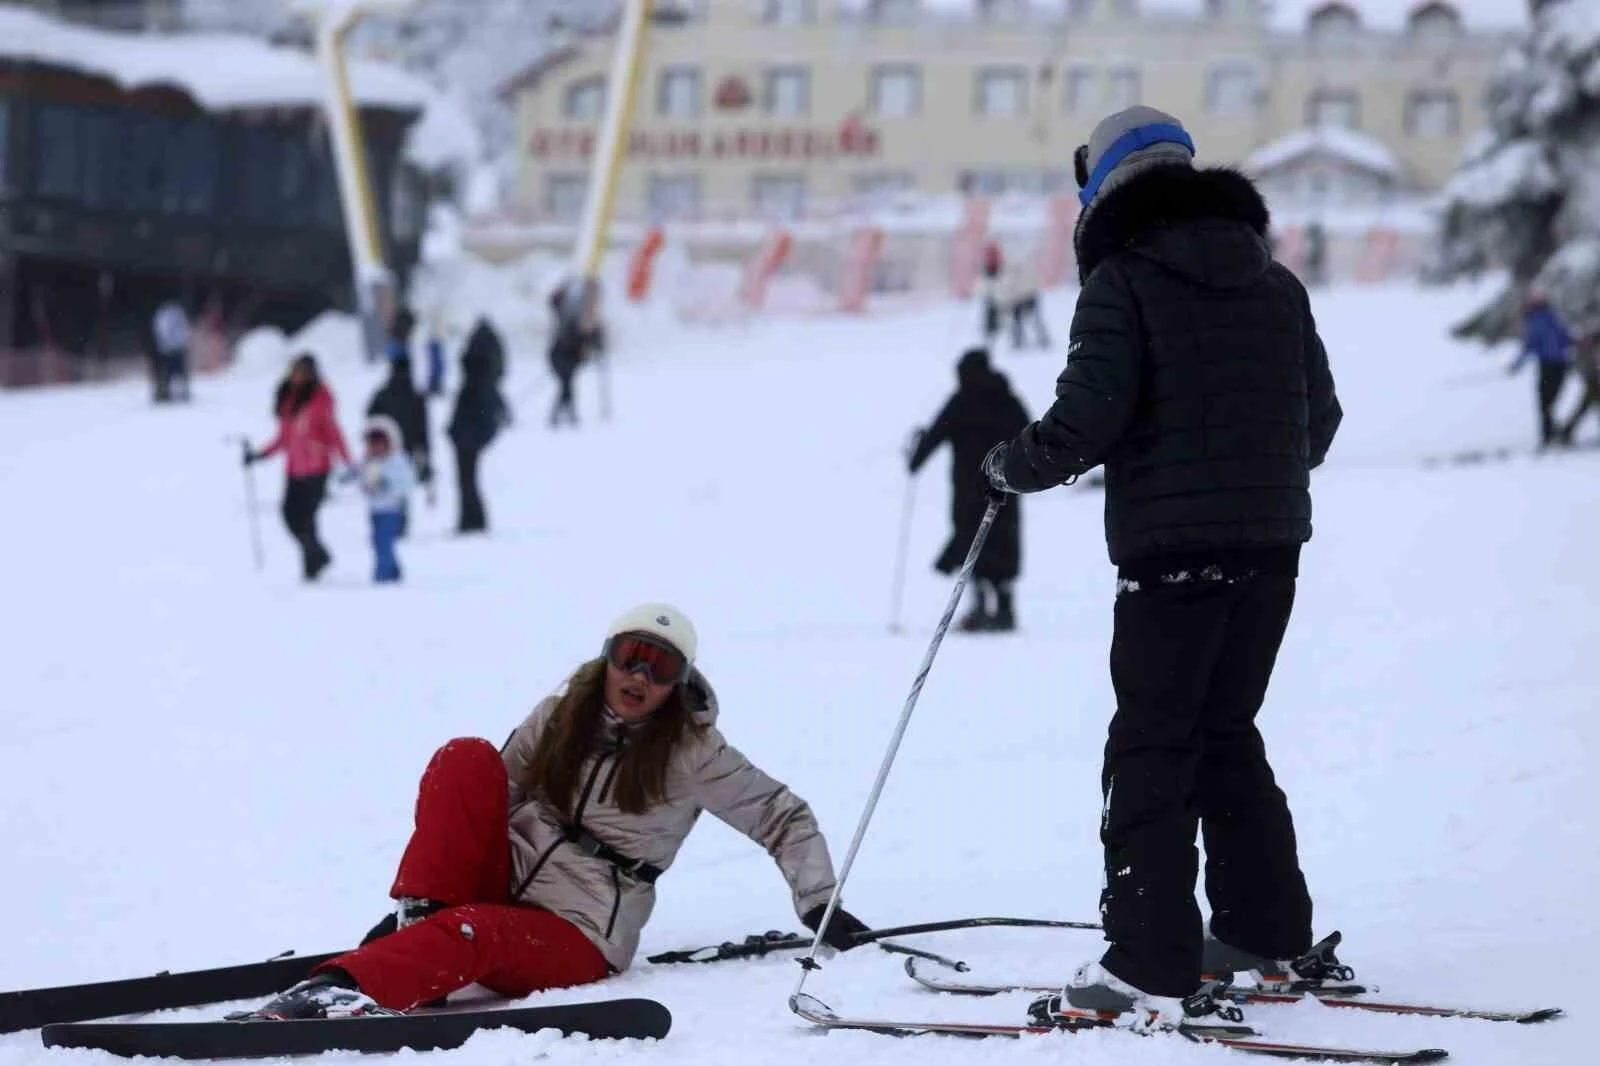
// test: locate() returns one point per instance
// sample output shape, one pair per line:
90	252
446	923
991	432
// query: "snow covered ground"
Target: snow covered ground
202	764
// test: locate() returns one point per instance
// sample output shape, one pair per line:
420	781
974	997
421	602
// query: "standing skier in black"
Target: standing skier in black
1195	374
399	399
983	412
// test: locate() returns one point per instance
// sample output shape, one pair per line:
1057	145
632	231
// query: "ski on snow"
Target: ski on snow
1235	1037
1335	996
417	1031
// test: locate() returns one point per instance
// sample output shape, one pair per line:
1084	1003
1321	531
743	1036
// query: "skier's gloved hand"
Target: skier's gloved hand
250	454
912	444
841	931
994	472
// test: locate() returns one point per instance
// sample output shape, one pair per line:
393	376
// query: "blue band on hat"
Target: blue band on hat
1135	139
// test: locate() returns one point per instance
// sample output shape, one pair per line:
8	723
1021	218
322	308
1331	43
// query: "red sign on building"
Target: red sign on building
851	140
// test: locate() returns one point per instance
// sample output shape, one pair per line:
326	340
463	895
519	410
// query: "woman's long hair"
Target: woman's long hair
296	396
569	737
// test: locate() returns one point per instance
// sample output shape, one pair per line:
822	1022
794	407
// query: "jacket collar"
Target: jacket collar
1162	197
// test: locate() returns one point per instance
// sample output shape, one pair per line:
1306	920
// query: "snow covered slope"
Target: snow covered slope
201	764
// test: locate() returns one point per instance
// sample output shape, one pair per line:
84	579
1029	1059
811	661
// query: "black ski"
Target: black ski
759	944
611	1019
34	1007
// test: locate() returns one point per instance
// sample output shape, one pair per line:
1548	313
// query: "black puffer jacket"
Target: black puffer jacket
1195	374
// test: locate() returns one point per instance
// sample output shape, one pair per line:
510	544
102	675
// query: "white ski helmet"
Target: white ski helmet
662	621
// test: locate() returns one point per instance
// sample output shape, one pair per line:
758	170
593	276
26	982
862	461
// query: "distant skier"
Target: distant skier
1545	339
524	874
1019	299
172	335
480	413
575	334
308	435
993	266
1195	374
399	400
1587	360
982	413
387	478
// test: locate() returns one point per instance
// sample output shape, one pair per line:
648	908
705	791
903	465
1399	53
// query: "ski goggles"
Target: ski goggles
659	661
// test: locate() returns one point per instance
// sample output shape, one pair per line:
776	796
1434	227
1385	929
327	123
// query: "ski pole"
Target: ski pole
256	549
897	591
809	962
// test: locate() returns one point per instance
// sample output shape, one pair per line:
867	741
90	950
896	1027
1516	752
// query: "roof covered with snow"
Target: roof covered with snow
1354	148
231	72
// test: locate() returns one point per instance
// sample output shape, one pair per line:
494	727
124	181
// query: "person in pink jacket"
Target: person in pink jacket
309	438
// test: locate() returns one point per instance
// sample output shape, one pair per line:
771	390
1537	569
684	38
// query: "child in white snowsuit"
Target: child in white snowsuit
387	478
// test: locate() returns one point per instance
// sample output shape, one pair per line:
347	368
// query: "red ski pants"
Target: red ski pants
460	854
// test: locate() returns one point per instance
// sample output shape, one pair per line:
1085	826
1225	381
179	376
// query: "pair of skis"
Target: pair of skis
1235	1037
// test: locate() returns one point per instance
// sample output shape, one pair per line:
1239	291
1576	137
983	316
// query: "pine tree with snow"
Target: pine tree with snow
1526	200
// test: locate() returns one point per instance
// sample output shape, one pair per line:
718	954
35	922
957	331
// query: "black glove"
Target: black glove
841	932
994	472
912	444
249	455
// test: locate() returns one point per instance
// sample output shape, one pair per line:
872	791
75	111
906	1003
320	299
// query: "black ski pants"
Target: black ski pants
302	496
565	407
1190	661
1551	377
473	517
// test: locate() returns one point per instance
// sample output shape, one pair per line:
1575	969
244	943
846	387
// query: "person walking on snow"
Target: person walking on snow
1545	339
535	866
1019	298
400	401
479	415
1587	360
171	328
387	478
1195	375
982	412
309	437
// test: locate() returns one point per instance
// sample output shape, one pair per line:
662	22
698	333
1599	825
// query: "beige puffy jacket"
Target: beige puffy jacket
707	773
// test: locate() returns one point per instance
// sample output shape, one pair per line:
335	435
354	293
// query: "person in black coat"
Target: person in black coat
983	412
400	400
1196	376
479	415
575	334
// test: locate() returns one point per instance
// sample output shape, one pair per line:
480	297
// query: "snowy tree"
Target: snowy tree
1526	199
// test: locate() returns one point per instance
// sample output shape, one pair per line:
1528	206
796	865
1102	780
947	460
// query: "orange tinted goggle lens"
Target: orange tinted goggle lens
663	664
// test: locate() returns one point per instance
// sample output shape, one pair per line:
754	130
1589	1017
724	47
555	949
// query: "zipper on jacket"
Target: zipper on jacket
588	786
616	764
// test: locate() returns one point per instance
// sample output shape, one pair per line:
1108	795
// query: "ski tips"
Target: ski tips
805	1004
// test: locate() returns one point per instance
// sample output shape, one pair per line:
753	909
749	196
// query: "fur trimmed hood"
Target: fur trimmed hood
1208	224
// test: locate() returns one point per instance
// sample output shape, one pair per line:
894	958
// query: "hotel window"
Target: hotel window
1002	92
1233	87
1434	25
1334	24
1433	113
894	10
789	12
678	92
564	195
787	93
896	91
1339	108
778	196
883	185
671	197
1123	88
1081	90
584	101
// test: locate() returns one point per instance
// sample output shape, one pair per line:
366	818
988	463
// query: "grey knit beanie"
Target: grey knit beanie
1128	142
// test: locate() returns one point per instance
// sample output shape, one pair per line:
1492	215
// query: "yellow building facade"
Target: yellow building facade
790	109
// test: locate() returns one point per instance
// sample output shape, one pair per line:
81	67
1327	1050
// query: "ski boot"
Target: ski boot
1318	970
1098	998
329	994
